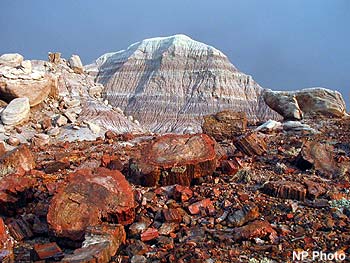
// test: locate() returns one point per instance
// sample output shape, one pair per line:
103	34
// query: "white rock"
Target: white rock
94	127
96	90
26	66
11	60
130	118
16	111
137	122
2	128
54	131
270	125
75	64
72	117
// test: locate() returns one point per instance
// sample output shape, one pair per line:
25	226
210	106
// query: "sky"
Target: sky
283	44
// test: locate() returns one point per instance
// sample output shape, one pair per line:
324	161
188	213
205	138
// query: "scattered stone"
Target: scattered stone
76	65
149	234
13	141
41	139
285	189
172	215
182	193
249	212
61	120
19	229
11	60
175	159
16	111
314	190
54	131
251	144
225	125
71	116
205	205
2	149
46	124
256	229
90	197
18	159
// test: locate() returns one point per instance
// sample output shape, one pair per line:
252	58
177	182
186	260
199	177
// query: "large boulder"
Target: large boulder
225	124
11	60
16	112
89	198
35	87
311	102
175	159
284	103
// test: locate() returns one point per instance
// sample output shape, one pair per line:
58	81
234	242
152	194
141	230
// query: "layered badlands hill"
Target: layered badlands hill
169	83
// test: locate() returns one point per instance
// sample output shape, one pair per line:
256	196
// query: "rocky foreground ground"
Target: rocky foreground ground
234	194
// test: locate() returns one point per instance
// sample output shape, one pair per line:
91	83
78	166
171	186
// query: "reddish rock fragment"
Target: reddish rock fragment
48	251
136	247
317	155
172	215
251	144
110	135
258	228
182	193
285	189
90	197
6	244
19	229
175	159
15	191
149	234
17	159
56	166
229	167
205	205
100	245
314	189
225	124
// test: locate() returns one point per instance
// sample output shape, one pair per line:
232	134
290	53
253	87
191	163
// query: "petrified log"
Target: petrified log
251	144
225	124
175	159
90	197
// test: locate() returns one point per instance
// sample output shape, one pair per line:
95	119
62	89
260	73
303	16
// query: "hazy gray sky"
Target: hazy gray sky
283	44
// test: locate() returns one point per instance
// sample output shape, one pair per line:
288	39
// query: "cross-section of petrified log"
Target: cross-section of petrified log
175	159
90	197
285	189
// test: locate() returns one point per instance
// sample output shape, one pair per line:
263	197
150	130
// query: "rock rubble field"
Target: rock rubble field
83	181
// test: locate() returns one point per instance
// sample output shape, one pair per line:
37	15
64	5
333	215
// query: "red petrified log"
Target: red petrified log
175	159
90	197
251	144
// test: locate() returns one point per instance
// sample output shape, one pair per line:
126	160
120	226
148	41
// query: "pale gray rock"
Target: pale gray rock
26	67
61	120
75	64
283	102
297	126
311	102
16	111
170	83
11	60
